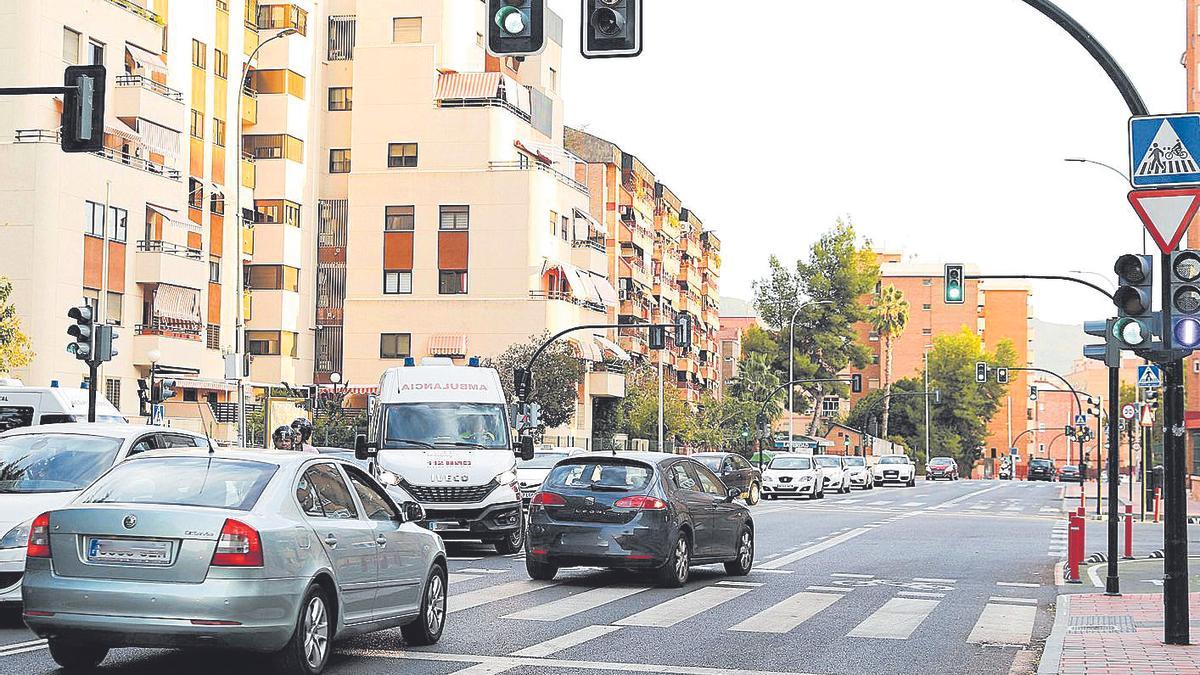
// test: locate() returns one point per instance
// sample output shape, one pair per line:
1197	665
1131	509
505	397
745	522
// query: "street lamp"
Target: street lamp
154	356
239	283
791	369
1084	160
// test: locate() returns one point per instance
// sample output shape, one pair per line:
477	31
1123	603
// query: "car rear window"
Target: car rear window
791	463
713	462
184	481
1041	463
613	476
830	462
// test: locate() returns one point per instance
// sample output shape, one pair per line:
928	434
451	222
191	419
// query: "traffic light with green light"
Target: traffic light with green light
516	27
1135	325
956	291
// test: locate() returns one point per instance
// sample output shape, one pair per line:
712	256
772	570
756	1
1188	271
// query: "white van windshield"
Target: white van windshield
54	462
445	424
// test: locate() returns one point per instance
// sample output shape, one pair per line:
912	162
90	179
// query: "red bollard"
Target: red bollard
1157	502
1074	549
1128	532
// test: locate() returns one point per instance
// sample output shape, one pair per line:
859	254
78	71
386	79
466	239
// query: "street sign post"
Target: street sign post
1166	213
1163	150
1149	377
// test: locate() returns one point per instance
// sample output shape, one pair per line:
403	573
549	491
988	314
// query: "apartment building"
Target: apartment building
168	172
1191	61
664	260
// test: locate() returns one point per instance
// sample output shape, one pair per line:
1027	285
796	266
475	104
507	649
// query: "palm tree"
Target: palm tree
889	317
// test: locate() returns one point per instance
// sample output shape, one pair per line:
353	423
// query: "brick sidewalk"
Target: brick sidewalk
1117	635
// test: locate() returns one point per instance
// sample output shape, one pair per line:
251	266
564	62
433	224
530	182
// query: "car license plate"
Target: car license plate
442	525
129	551
585	540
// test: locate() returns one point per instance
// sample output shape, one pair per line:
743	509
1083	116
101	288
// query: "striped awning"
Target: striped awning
586	349
610	348
468	85
177	306
448	345
123	134
159	138
606	292
147	59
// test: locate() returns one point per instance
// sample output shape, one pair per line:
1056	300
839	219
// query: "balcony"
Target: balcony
176	345
633	341
111	154
138	10
524	164
596	244
249	172
166	262
136	96
605	383
635	309
249	107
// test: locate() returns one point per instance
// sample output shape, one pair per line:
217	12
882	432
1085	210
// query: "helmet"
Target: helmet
283	438
303	429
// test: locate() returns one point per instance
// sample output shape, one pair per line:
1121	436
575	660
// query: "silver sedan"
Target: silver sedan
273	552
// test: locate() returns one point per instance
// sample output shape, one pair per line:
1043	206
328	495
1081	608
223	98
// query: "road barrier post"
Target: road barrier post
1157	502
1128	532
1074	548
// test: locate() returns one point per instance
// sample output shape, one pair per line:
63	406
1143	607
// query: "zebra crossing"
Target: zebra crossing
1058	540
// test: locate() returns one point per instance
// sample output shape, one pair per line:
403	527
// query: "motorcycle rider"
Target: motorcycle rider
304	431
284	438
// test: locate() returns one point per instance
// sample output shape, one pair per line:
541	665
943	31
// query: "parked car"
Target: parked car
639	510
793	475
1070	473
531	472
1042	469
894	469
941	467
45	467
836	477
734	471
860	473
274	552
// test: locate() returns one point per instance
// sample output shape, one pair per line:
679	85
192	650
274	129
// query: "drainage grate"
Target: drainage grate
1102	624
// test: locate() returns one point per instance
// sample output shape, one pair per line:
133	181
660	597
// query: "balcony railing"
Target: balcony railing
565	296
37	136
595	244
524	164
484	103
111	154
149	85
138	10
224	413
170	248
168	329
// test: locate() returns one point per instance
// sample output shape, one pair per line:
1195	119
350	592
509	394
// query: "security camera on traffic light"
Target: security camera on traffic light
1184	276
1136	322
83	109
956	292
516	27
611	28
82	332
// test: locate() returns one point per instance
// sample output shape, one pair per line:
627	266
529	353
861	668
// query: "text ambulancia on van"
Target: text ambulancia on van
440	434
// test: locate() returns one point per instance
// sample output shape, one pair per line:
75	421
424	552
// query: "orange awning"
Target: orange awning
448	345
468	85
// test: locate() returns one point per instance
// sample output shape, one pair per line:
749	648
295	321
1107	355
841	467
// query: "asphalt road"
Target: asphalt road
940	578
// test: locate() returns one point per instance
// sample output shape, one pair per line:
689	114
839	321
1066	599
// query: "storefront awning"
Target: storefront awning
177	306
448	345
608	348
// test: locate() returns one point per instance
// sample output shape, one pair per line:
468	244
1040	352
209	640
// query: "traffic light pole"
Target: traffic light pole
1112	584
93	376
1175	543
762	411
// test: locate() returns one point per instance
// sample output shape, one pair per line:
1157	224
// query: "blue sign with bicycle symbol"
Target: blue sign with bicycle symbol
1164	150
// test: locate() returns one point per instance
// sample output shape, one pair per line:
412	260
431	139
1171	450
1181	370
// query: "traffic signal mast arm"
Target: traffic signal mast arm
1043	277
767	400
523	391
1078	402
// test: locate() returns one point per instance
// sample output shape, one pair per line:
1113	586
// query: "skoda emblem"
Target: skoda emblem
130	521
589	500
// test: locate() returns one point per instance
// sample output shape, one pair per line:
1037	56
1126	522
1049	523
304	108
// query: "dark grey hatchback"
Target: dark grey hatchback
647	511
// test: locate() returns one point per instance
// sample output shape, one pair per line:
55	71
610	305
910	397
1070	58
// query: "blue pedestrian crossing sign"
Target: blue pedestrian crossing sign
1149	377
1164	150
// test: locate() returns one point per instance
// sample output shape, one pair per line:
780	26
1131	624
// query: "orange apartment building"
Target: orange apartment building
1191	60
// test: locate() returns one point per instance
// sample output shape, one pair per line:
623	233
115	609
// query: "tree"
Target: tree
888	317
638	414
556	377
16	350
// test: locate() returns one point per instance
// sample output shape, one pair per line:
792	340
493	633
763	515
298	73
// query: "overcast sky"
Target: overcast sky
938	126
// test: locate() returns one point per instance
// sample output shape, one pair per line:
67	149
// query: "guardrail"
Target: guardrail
138	10
167	329
484	103
111	154
566	296
526	165
150	85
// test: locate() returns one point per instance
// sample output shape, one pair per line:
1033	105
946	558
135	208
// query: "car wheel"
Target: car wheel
740	566
76	657
912	482
308	650
427	628
512	542
675	573
539	570
821	494
755	494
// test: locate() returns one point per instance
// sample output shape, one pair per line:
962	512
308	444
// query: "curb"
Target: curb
1052	654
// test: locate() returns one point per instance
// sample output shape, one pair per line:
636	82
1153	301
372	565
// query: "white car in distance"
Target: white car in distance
894	469
792	475
860	473
836	477
531	473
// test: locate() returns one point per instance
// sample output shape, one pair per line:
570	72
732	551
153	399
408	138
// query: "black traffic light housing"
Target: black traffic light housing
1109	352
164	390
1002	375
683	331
611	28
856	383
657	338
82	332
522	383
516	27
1135	324
954	285
106	337
144	395
83	109
1184	275
981	372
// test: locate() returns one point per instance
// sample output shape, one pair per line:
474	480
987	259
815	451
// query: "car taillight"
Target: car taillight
547	499
39	537
238	546
643	502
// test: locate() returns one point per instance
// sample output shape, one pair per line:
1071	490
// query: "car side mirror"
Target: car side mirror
732	494
412	512
364	450
524	449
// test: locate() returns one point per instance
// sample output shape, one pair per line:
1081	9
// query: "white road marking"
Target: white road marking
762	571
480	570
484	596
22	648
487	668
896	620
1094	576
1017	584
556	665
934	580
748	584
460	559
574	604
786	615
456	578
849	501
920	594
812	550
830	589
881	503
1004	624
852	576
564	642
671	612
912	504
1015	601
1013	508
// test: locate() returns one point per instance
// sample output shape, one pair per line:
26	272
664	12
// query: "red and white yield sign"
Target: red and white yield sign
1166	213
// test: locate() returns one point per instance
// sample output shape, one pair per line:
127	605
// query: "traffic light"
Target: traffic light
517	27
1134	327
1093	408
1185	300
856	383
82	332
143	396
683	331
1033	395
956	293
83	109
657	337
981	369
164	390
1151	397
1110	351
1002	375
611	28
106	337
1069	432
522	382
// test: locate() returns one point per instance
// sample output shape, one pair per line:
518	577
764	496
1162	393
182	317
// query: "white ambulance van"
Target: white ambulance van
440	435
22	406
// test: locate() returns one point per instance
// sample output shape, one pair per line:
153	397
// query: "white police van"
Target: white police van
440	435
22	406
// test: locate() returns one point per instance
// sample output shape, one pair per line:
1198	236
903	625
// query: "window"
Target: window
70	47
112	391
377	506
197	124
455	218
116	304
214	336
214	482
566	228
274	146
214	271
195	193
271	343
553	223
341	98
452	282
927	306
220	64
397	283
339	160
95	53
277	211
217	203
395	345
272	278
708	482
402	155
199	54
277	81
118	223
399	218
406	30
553	80
219	132
341	38
322	493
283	16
